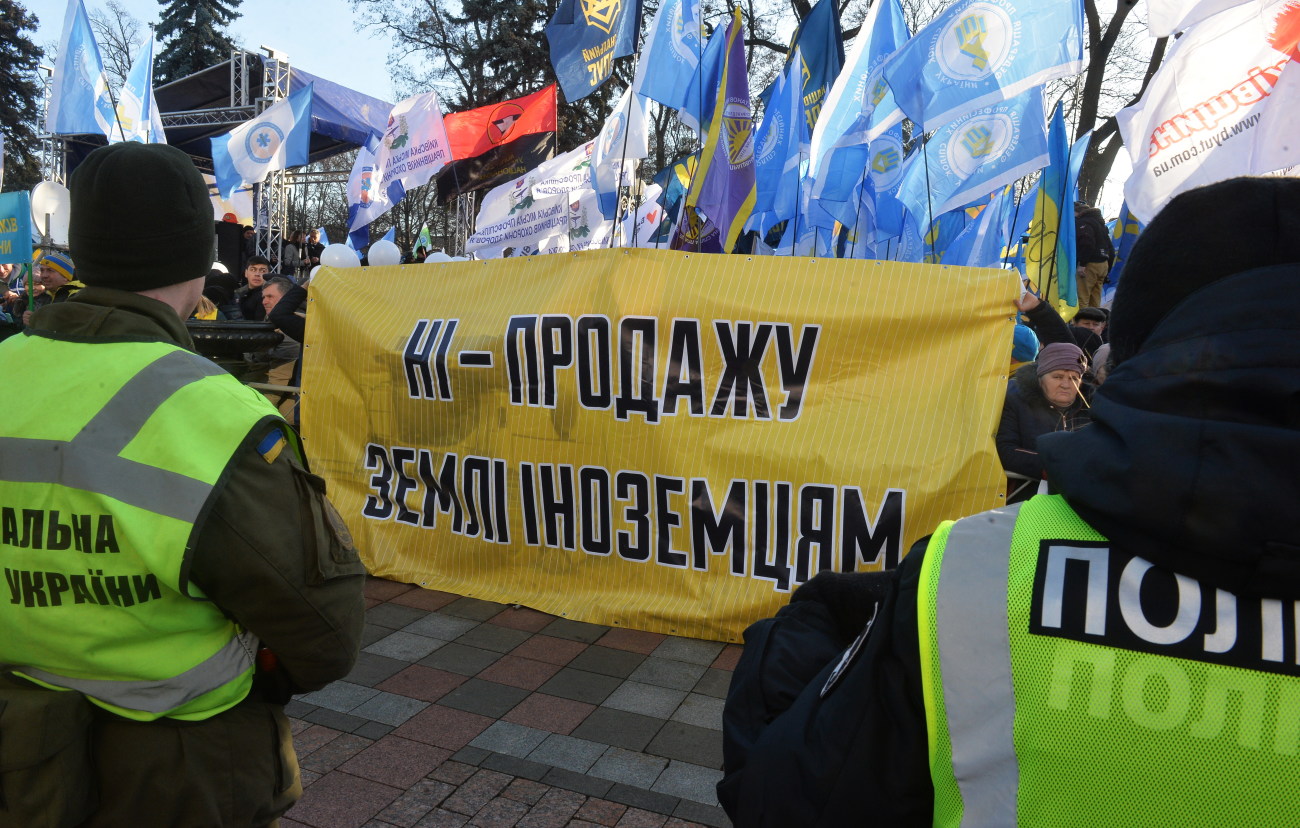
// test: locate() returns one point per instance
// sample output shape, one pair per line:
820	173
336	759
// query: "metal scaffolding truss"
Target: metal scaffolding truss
271	197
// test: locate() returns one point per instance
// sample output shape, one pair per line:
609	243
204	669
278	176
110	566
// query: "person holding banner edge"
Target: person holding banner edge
1072	660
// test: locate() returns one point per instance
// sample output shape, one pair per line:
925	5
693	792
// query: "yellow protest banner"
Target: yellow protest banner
651	439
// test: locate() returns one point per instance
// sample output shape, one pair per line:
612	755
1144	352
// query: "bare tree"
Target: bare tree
119	36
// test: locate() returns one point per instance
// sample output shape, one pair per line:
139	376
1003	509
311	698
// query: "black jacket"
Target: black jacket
1092	238
1209	403
1026	416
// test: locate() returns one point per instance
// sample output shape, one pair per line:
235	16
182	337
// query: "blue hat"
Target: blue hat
60	262
1024	347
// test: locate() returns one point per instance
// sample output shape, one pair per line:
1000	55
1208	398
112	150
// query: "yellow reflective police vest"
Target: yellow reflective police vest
104	475
1070	683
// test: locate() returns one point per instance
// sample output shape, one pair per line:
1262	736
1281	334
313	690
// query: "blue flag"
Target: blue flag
816	54
982	242
979	52
1123	235
701	92
781	144
858	130
80	103
670	54
137	112
1050	254
324	237
277	139
391	235
976	154
586	36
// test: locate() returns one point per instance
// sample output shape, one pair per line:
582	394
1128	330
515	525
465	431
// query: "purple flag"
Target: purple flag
722	192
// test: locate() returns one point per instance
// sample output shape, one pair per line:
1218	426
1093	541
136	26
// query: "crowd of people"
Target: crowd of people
1117	650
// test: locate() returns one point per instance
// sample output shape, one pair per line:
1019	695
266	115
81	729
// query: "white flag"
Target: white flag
1165	17
1199	121
138	118
414	147
277	139
622	142
364	195
563	174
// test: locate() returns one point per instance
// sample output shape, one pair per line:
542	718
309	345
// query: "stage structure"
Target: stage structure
214	101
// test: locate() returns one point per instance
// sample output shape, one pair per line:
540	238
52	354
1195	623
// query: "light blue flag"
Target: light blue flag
979	52
976	154
137	112
277	139
909	246
701	92
782	143
391	235
857	178
80	103
860	106
982	242
670	54
324	237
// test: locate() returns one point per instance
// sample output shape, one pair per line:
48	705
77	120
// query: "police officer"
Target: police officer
1122	652
167	552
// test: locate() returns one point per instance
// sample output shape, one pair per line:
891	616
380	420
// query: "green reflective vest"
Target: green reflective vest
1069	683
101	486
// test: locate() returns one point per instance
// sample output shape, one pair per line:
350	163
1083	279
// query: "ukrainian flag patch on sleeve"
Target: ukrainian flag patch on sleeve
272	444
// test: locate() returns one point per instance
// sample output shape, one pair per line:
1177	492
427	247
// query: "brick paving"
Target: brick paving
462	712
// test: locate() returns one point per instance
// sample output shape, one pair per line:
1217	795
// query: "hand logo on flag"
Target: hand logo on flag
886	160
971	32
978	141
878	94
985	140
981	44
262	141
601	13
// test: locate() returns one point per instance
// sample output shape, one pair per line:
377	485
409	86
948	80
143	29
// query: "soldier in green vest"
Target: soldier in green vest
166	551
1124	651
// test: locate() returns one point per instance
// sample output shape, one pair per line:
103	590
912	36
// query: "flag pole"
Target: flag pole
929	205
1015	216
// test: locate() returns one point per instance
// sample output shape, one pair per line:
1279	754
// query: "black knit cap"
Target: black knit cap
140	218
1201	236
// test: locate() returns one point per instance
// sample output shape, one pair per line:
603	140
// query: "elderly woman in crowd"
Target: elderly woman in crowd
1043	396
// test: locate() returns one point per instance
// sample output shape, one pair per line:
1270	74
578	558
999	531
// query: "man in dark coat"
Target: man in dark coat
267	557
1094	253
826	722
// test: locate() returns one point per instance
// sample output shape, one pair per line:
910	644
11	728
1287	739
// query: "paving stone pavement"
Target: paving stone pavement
462	712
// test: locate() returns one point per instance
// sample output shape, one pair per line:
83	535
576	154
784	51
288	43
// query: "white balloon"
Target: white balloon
437	256
384	253
339	255
312	274
220	266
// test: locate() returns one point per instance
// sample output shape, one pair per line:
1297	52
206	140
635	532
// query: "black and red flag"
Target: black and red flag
495	143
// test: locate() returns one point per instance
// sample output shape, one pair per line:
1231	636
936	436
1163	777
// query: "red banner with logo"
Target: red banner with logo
477	131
